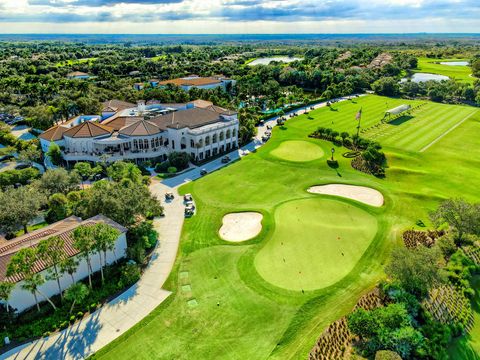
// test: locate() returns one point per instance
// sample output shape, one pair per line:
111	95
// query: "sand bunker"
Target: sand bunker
363	194
241	226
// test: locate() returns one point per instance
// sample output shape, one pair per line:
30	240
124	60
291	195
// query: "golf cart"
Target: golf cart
225	159
169	196
189	212
187	197
203	172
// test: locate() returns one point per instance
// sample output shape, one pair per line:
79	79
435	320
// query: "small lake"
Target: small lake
268	60
422	77
455	63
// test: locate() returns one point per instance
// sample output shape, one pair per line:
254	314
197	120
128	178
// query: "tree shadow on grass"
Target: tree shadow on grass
401	120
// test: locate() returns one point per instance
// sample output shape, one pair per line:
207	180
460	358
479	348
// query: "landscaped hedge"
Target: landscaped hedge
20	176
369	160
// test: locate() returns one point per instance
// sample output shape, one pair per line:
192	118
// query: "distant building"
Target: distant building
78	75
21	299
111	107
186	83
139	86
153	82
134	73
148	131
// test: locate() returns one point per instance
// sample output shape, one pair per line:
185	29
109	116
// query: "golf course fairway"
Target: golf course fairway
316	243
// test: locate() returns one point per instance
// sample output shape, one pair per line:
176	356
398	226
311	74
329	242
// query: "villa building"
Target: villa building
21	299
78	75
194	81
146	131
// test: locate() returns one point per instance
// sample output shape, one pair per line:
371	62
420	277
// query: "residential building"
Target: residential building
78	75
21	299
151	131
186	83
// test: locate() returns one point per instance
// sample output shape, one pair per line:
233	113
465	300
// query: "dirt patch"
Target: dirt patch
241	226
363	194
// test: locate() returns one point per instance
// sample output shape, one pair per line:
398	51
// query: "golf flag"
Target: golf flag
359	114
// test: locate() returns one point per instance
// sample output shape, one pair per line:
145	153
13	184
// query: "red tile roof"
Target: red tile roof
64	229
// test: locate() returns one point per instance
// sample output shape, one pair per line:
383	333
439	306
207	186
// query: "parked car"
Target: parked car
169	196
187	197
203	172
225	159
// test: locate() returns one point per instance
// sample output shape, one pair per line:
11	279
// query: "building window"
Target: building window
215	151
221	136
192	143
214	138
157	142
228	134
173	144
135	144
145	144
234	132
153	143
207	140
207	153
200	156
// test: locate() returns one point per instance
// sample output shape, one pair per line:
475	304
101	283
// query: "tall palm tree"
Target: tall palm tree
5	291
51	251
105	237
84	241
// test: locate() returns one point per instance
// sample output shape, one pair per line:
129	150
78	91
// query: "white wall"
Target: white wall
23	299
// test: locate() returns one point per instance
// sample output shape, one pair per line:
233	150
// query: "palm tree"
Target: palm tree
69	266
22	264
76	293
51	251
84	241
5	291
105	237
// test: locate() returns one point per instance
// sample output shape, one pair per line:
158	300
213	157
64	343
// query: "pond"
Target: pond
268	60
422	77
455	63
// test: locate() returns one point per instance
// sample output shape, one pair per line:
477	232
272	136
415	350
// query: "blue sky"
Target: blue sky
239	16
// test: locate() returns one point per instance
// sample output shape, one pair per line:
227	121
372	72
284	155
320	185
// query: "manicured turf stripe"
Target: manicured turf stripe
448	131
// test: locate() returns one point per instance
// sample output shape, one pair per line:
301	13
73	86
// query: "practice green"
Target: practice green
316	243
295	150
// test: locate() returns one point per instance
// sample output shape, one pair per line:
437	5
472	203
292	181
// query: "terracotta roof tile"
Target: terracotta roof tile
54	133
140	128
64	229
88	129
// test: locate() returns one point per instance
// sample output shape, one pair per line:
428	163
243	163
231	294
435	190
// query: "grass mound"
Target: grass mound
316	243
297	150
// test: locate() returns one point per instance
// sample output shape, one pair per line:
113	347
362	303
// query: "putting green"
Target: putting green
315	244
298	150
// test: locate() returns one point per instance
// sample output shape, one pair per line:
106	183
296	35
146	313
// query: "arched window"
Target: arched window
200	143
207	140
221	136
234	132
228	134
214	138
192	143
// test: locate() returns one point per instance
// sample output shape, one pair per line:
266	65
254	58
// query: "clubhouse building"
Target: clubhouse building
146	131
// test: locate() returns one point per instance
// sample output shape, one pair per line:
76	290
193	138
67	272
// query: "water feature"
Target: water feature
422	77
268	60
455	63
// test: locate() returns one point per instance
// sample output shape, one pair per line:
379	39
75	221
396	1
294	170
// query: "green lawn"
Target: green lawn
75	62
295	150
461	73
316	243
256	319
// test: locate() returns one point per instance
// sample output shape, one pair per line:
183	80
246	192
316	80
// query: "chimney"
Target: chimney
141	106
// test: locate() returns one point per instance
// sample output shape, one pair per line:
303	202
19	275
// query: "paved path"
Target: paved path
113	319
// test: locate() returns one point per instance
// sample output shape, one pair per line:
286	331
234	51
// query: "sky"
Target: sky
239	16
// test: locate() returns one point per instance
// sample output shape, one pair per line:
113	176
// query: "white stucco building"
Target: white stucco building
148	131
21	299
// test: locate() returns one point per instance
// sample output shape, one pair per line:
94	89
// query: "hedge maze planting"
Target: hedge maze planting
449	306
336	341
413	238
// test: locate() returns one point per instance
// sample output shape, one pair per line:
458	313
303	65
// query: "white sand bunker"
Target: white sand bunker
363	194
241	226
